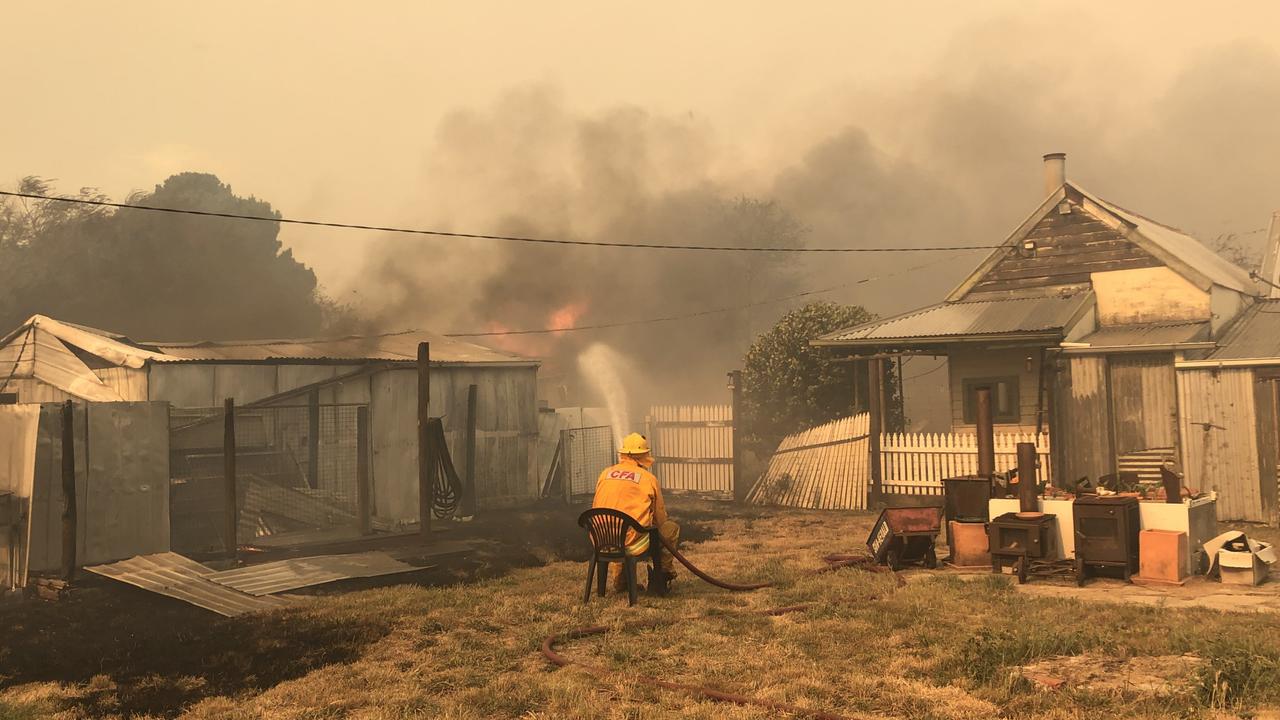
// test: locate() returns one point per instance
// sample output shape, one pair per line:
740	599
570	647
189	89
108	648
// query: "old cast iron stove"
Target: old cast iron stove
1016	541
1106	534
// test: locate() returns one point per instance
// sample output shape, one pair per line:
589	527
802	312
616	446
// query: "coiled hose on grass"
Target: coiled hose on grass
833	562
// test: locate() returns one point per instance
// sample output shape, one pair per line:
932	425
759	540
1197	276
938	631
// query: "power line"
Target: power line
700	313
482	236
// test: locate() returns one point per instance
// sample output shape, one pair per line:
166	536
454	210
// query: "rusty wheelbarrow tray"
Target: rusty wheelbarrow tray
906	535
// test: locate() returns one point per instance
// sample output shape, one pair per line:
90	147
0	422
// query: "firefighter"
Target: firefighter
631	488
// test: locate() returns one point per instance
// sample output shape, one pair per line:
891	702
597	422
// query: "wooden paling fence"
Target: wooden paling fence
917	463
825	467
693	447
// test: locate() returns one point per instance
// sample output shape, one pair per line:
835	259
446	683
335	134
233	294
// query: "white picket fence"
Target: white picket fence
917	463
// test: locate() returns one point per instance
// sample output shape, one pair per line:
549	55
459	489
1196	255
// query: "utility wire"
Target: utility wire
700	313
482	236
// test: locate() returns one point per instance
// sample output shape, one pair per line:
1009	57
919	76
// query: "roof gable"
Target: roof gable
1076	234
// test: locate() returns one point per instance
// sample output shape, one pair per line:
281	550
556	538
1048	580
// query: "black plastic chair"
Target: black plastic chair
607	530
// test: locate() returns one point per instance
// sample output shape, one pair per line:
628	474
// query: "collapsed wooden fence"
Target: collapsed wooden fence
825	467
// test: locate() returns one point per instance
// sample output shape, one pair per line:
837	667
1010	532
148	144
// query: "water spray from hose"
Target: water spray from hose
606	368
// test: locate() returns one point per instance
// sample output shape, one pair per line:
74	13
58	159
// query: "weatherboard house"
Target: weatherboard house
1129	342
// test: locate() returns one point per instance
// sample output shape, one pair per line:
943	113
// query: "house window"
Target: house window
8	398
1004	399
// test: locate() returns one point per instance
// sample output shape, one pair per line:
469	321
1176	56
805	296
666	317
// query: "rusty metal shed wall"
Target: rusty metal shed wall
198	384
1083	438
506	434
1035	315
1218	425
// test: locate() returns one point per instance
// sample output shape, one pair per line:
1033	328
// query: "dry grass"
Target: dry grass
940	648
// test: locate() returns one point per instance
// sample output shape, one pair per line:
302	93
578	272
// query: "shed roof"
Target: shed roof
387	347
1256	335
1137	337
968	321
44	349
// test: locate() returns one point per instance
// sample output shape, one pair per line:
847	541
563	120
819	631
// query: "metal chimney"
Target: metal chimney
1055	172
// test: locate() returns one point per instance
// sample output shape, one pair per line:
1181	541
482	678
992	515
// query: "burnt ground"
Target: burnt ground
141	653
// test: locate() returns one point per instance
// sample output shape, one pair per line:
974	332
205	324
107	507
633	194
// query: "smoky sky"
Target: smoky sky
728	123
961	165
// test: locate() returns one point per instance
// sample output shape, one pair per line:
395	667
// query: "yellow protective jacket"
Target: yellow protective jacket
635	491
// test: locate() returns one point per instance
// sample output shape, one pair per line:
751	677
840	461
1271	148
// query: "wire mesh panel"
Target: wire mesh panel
296	475
586	451
197	497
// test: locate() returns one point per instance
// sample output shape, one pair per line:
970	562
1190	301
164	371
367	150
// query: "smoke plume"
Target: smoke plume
948	158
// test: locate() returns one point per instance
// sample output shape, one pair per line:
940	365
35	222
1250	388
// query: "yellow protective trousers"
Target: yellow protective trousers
670	531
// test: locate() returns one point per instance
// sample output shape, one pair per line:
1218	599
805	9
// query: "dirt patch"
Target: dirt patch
1161	675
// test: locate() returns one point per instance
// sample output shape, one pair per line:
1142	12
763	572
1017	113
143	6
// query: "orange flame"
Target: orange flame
566	317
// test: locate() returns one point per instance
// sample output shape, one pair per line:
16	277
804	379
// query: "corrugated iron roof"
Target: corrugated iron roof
1255	335
1183	246
1162	334
394	347
954	320
182	578
284	575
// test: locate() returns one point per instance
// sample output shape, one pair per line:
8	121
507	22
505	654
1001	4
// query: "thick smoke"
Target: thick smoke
950	158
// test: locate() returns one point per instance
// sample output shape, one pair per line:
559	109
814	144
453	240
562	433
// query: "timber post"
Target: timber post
364	498
1027	477
230	510
426	488
740	486
469	490
69	518
985	431
875	407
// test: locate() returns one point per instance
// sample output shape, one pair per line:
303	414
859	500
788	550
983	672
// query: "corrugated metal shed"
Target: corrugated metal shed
400	346
1255	335
1220	440
178	577
1039	316
283	575
1142	336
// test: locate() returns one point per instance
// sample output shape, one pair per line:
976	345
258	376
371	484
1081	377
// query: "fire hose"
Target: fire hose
833	562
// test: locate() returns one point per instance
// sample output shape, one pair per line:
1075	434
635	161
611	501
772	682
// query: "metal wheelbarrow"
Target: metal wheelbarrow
906	535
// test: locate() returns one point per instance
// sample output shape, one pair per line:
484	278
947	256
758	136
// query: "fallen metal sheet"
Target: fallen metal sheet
178	577
282	575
